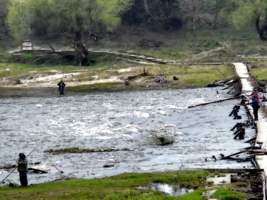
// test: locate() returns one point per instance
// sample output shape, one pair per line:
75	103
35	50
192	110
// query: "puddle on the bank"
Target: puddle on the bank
171	190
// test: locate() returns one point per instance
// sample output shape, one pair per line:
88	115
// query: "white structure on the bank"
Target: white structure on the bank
26	46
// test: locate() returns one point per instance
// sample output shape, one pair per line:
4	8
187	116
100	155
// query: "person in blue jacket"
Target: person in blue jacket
255	105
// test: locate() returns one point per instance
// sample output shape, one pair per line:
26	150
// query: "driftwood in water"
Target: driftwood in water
203	104
252	152
228	157
251	140
228	170
36	170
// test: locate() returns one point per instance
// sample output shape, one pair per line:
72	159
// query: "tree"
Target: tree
251	11
156	14
71	17
203	13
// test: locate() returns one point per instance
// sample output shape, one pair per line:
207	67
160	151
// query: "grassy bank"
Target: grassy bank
123	187
188	76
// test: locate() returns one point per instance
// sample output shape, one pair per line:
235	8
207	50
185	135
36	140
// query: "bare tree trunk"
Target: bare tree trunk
216	15
82	54
167	4
194	18
146	6
262	30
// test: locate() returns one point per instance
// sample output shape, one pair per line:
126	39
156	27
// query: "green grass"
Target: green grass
29	57
196	195
228	195
11	69
105	59
259	70
197	76
121	187
189	76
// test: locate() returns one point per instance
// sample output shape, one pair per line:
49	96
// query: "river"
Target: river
126	121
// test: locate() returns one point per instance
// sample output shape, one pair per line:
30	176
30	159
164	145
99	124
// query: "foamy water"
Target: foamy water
120	120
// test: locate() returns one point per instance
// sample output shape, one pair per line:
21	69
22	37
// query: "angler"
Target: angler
61	87
22	169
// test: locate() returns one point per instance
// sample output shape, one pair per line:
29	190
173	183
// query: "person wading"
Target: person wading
22	169
61	87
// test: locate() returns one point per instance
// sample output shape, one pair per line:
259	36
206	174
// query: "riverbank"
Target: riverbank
109	76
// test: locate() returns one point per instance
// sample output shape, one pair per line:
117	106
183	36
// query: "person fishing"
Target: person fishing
22	169
61	87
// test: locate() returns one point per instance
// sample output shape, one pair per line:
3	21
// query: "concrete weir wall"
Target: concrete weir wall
261	125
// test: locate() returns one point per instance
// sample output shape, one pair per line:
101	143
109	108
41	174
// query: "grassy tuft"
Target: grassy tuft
228	195
77	150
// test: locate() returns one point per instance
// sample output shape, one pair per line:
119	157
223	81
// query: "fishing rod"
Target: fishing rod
16	167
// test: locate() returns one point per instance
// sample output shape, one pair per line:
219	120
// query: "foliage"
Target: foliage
251	11
65	16
156	14
247	11
29	57
18	19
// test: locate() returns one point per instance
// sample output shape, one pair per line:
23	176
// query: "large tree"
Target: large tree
203	13
251	11
71	17
156	14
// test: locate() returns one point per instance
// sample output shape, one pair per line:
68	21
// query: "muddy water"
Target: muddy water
127	121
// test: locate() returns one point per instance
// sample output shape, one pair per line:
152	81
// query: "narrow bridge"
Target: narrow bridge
261	125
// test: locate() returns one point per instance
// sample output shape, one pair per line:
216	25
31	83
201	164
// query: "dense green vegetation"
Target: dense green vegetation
121	187
180	28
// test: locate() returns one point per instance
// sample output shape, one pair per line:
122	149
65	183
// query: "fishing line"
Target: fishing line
220	72
16	167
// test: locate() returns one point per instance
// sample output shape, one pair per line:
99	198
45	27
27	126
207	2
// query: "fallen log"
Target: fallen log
251	140
203	104
227	157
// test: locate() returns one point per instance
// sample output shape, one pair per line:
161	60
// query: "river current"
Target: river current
127	121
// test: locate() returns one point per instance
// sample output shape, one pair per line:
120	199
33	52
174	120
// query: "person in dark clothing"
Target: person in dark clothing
61	87
22	169
255	105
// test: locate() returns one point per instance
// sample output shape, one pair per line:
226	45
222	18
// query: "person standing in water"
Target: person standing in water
61	87
22	169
